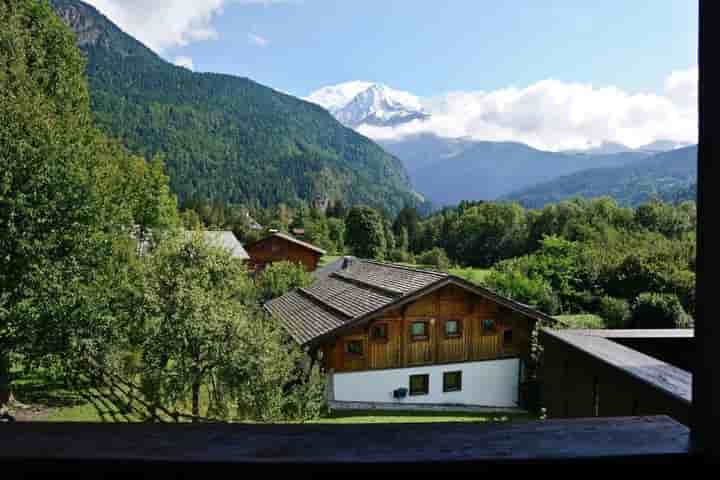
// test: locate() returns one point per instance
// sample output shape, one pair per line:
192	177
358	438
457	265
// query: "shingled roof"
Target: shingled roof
291	239
361	290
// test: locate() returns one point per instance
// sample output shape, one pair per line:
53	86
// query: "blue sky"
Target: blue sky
551	73
426	47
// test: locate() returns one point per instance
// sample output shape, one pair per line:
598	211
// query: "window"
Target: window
419	330
354	347
419	384
452	328
488	324
452	381
507	337
379	332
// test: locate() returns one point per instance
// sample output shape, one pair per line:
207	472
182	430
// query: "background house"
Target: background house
279	247
390	334
226	240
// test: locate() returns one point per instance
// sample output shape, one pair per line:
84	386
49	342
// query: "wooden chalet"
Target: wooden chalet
389	333
278	247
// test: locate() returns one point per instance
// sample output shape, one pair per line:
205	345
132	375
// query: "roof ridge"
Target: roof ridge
367	285
291	238
324	305
405	267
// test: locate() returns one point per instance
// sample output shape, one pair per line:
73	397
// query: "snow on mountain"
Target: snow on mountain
335	97
364	103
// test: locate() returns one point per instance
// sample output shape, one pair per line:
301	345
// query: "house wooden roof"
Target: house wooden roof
359	290
291	239
652	371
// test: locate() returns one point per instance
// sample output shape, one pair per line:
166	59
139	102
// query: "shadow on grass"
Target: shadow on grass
50	393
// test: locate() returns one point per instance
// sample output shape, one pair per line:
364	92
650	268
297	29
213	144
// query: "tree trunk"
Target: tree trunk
196	400
5	381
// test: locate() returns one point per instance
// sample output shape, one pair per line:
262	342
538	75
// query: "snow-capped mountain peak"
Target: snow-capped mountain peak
364	103
335	97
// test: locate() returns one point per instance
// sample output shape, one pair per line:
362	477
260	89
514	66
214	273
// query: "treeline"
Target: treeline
171	332
633	267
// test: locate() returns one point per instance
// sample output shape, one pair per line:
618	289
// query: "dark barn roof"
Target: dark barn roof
599	344
290	239
359	290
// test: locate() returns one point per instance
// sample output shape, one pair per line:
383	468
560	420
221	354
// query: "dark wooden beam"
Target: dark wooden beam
705	415
446	447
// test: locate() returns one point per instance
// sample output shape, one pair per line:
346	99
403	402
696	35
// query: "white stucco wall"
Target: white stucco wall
492	383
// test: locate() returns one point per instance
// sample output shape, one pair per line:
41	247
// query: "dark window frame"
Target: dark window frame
426	391
420	338
445	377
458	333
383	339
492	329
355	354
507	343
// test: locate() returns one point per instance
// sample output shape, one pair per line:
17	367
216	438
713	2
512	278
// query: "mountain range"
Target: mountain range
671	176
448	170
226	138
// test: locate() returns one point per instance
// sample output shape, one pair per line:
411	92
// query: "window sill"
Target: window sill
175	448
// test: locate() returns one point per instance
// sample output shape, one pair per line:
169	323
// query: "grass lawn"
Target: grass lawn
89	413
474	275
393	416
580	321
53	402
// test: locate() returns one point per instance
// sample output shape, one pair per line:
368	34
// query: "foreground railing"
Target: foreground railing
176	448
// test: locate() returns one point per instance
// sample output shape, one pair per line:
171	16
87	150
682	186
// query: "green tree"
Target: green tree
192	316
365	232
279	278
615	311
408	220
653	310
435	257
60	202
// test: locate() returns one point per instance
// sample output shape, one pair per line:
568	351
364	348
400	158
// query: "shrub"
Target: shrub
580	321
615	311
436	258
656	310
279	278
531	291
401	256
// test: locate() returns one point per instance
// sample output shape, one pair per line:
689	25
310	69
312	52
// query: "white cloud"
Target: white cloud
257	40
161	24
556	115
186	62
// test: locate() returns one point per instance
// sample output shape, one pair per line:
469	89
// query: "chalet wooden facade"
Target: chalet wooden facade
279	247
389	333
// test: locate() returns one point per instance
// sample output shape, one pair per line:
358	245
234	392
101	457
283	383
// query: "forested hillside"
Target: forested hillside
227	138
670	176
